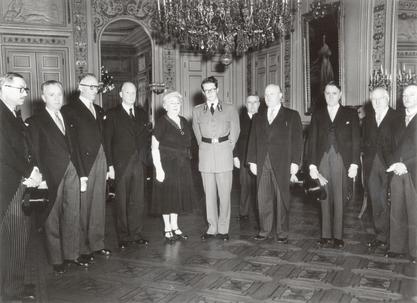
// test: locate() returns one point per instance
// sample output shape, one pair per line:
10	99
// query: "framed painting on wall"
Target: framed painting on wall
322	52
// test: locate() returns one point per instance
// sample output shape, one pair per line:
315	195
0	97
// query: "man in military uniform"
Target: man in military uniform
216	127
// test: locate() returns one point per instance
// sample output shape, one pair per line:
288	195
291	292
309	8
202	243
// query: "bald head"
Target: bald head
410	97
128	93
273	95
380	99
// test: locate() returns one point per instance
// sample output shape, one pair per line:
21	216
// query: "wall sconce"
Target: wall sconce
157	88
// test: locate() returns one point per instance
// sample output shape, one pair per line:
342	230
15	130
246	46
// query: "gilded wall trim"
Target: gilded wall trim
41	40
104	11
79	14
378	47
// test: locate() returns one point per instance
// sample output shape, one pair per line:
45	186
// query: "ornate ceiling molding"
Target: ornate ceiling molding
105	11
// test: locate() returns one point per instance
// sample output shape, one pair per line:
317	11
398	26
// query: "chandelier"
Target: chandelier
224	26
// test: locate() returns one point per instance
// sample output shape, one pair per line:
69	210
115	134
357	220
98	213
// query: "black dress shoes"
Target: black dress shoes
376	243
80	261
282	240
260	238
179	235
224	237
142	241
339	243
207	236
123	244
59	268
88	257
325	242
103	252
391	254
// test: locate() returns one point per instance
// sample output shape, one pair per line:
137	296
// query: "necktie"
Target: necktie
270	115
92	110
212	108
378	119
407	120
131	113
59	123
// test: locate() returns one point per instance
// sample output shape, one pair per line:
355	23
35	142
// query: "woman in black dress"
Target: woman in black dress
173	190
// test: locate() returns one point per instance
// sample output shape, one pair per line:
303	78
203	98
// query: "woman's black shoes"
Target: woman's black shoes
179	235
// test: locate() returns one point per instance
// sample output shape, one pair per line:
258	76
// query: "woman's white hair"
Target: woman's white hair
170	95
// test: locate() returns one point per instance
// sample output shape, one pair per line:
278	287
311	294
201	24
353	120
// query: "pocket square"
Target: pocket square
347	122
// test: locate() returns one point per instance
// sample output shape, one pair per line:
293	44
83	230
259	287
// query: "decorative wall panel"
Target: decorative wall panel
169	67
378	48
287	72
106	10
39	12
79	13
407	22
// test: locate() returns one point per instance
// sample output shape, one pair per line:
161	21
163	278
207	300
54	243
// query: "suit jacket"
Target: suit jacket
50	149
347	135
406	146
282	140
124	136
378	140
85	133
14	157
216	157
241	147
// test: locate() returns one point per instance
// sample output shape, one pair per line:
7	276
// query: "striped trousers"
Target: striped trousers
14	237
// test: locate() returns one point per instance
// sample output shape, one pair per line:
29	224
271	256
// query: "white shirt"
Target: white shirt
410	114
53	116
332	110
250	116
380	116
89	104
127	109
273	112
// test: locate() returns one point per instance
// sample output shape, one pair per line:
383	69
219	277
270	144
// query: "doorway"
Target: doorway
126	54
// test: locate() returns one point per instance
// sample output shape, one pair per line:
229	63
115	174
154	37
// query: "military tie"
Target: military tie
212	108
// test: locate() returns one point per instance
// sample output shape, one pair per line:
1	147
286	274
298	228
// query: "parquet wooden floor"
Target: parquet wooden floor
240	270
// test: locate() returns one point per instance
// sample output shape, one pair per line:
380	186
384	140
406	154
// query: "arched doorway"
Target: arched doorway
126	53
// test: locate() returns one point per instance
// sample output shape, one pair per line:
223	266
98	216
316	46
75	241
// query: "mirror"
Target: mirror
322	30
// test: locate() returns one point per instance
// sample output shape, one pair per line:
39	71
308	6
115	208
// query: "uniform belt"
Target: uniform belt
215	140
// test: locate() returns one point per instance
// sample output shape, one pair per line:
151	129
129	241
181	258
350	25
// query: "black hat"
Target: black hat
314	189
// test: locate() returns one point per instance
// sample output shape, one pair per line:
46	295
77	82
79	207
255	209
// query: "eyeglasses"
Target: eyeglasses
21	89
211	90
92	87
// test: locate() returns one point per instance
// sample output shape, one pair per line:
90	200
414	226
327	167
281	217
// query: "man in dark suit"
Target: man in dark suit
334	150
274	155
403	216
86	119
51	150
127	142
247	179
377	145
14	167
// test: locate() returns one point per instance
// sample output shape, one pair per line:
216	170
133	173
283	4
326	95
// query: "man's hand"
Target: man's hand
353	171
293	178
110	173
34	179
83	184
314	173
236	162
253	168
398	168
293	169
160	175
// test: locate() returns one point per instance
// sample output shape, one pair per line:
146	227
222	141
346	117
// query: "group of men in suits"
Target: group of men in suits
74	148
